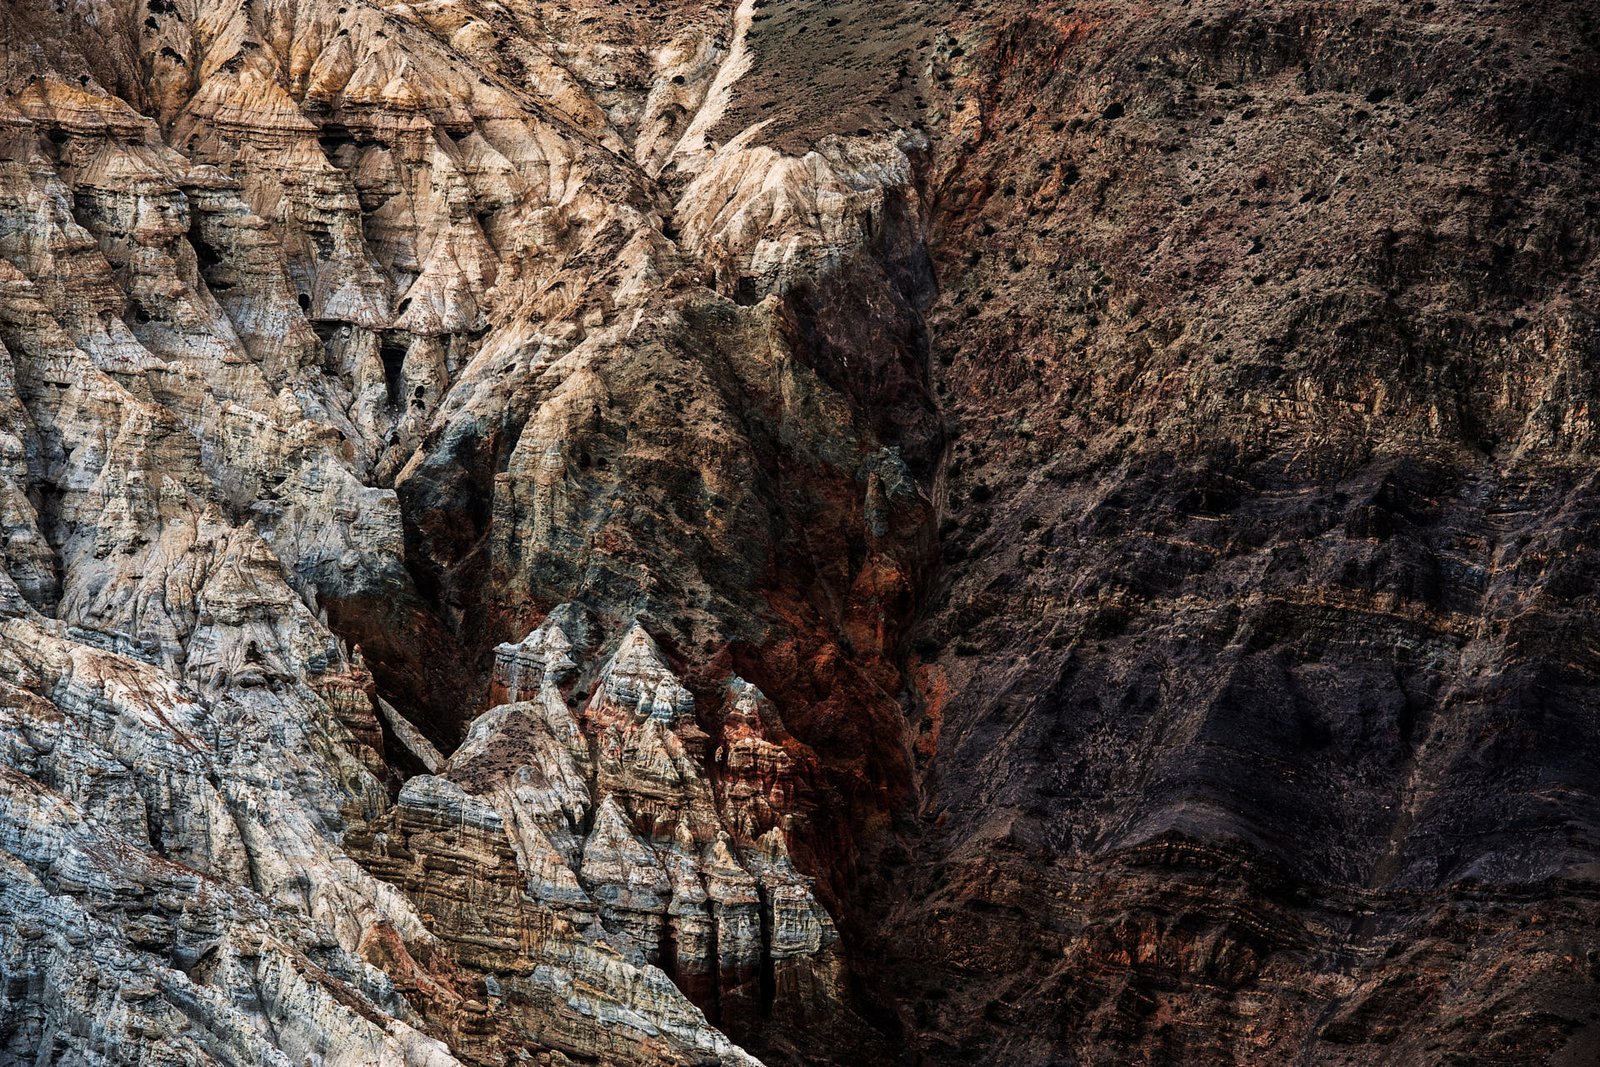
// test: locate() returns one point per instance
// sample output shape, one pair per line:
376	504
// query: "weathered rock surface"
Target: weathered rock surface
1256	720
613	821
867	532
339	342
252	261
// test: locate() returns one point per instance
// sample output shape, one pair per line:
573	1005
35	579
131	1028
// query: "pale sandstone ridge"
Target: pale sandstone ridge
509	551
291	296
680	870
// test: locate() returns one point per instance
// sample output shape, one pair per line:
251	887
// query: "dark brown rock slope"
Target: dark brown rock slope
1257	702
920	531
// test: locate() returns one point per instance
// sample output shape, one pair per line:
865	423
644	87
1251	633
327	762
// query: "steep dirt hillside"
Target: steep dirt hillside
798	532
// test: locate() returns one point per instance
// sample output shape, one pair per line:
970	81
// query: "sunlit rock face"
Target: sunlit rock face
618	822
797	531
338	342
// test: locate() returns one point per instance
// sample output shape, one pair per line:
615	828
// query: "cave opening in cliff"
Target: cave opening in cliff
392	347
207	257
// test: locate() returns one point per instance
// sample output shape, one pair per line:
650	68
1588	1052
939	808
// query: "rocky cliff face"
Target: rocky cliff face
1257	723
836	532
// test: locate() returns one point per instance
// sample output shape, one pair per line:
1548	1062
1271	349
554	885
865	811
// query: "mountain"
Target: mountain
930	532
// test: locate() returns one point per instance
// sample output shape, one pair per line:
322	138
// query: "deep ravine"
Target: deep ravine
800	531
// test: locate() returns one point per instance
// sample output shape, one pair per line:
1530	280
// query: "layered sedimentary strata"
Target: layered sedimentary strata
849	531
597	779
1253	699
339	340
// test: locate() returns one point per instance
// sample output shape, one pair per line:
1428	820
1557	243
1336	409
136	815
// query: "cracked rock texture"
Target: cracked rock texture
837	532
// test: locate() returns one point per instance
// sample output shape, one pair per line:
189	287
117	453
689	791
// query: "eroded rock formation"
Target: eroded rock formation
341	342
831	531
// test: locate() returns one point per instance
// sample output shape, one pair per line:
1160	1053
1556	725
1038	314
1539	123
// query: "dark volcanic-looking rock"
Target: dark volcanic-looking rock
1258	716
910	532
